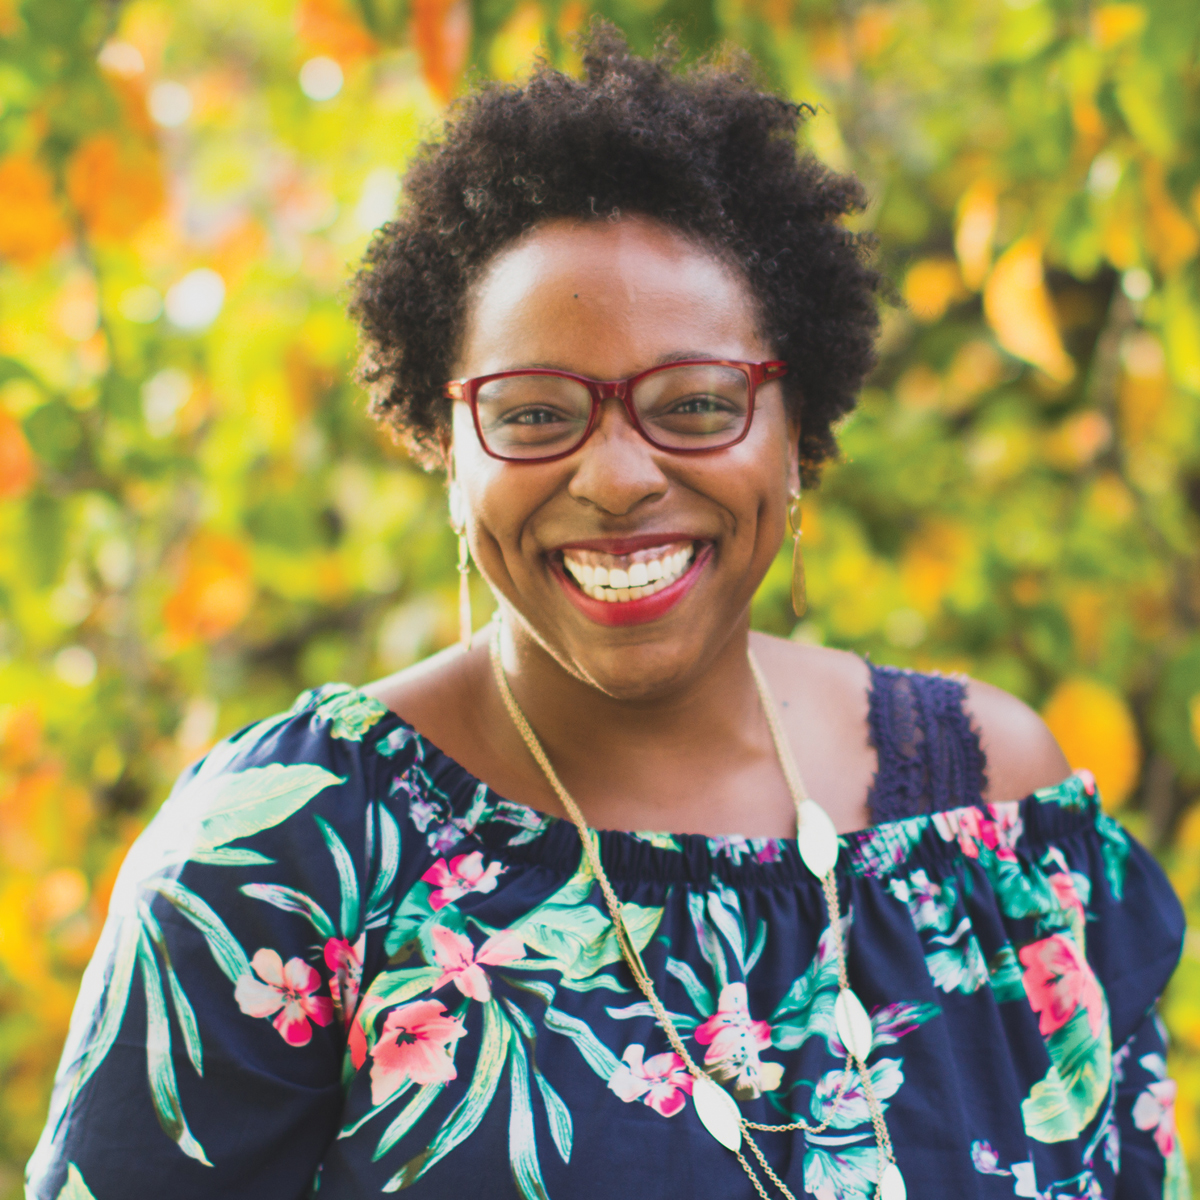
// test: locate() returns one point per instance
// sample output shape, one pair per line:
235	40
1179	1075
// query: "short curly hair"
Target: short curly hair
705	151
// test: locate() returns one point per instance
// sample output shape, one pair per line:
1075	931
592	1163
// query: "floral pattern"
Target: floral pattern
444	985
285	990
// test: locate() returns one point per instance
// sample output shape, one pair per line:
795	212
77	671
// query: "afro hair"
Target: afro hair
705	151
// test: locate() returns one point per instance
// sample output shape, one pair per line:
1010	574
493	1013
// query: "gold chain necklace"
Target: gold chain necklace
818	846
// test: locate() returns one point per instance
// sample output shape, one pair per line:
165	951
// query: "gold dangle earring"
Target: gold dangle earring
458	522
799	596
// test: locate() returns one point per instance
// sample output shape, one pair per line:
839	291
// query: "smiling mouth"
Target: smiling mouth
620	578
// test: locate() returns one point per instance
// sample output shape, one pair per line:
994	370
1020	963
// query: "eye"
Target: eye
533	416
700	405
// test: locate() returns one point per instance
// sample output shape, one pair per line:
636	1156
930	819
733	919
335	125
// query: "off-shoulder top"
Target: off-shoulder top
337	965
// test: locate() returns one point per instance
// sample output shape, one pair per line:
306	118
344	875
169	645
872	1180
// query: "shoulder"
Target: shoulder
1021	752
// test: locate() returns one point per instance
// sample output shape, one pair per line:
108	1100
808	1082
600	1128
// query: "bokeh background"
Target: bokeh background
197	520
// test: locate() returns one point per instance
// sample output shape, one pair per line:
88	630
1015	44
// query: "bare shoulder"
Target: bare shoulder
837	676
1021	752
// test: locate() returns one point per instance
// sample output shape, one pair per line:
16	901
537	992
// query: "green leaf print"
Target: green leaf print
595	1053
522	1144
222	945
351	712
347	878
255	799
466	1115
697	993
164	1091
75	1188
576	937
1022	893
408	1116
290	900
389	862
230	856
1114	848
411	913
807	1008
706	935
183	1006
1060	1106
1006	976
559	1116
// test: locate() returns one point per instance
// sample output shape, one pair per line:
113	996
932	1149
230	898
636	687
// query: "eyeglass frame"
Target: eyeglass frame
600	390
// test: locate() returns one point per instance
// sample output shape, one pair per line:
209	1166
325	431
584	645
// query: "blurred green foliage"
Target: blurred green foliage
197	521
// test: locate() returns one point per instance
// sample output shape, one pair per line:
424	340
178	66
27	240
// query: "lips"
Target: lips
630	581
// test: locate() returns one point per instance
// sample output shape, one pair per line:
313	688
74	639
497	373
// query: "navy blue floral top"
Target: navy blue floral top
337	964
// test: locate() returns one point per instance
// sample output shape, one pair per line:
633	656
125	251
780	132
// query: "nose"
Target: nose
617	469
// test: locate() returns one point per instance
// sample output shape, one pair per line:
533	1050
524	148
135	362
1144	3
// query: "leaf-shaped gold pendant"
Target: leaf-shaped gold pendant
853	1024
718	1112
891	1186
816	838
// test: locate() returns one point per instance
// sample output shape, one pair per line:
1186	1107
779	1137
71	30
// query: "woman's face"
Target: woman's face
608	300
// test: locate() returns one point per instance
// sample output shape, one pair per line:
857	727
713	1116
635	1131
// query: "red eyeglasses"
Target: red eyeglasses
689	407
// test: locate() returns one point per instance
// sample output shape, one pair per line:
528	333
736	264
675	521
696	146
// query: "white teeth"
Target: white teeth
615	585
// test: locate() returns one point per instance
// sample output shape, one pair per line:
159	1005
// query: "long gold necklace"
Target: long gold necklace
818	845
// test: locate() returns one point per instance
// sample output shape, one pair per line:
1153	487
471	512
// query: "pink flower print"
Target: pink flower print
734	1041
1058	980
286	991
459	962
346	963
415	1044
464	874
1155	1107
1062	884
662	1082
999	828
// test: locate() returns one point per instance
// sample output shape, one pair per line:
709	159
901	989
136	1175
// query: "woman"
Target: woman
373	944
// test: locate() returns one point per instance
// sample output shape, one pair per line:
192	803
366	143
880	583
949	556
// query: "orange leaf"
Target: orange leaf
442	33
329	26
1170	236
1114	23
116	186
214	592
1019	310
31	223
17	467
1096	731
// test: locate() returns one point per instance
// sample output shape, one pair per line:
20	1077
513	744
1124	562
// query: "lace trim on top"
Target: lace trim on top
930	759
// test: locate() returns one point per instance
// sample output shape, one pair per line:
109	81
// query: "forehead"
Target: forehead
607	299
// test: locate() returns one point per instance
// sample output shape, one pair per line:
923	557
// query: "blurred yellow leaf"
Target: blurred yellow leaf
932	562
1194	713
975	231
1112	24
1096	731
31	224
17	467
975	369
931	286
117	186
1143	389
1019	310
515	46
214	592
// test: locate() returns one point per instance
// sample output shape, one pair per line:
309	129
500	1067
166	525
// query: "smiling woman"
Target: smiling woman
555	913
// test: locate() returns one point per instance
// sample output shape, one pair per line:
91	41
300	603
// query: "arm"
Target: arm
1021	752
206	1048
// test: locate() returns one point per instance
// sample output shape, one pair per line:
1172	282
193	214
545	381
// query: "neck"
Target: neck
642	761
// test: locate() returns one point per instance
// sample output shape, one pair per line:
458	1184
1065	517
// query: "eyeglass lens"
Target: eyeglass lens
693	407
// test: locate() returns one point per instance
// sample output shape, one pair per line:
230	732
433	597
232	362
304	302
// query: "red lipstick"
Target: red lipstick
630	612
